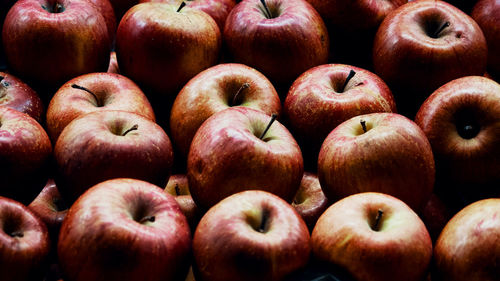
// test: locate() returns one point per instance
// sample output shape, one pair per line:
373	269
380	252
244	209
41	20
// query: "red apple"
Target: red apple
106	10
468	247
94	92
24	242
161	47
50	42
25	152
16	94
436	215
113	64
251	235
178	187
374	236
110	144
282	39
240	149
310	201
487	15
215	89
125	229
378	152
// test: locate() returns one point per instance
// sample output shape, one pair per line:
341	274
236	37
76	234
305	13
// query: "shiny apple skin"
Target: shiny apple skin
113	91
102	237
310	201
401	249
467	161
406	57
178	186
161	49
213	90
393	156
23	257
468	247
106	10
92	149
17	95
228	246
282	47
487	15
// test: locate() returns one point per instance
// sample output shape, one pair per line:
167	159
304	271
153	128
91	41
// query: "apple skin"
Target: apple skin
487	15
113	92
25	155
93	148
468	247
113	64
251	235
213	90
400	248
178	187
161	49
310	201
17	95
436	214
24	242
48	49
227	156
106	10
282	47
125	229
471	160
393	156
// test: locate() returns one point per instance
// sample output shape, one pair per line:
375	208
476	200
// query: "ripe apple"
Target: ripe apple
310	201
111	144
251	235
25	153
327	95
239	149
461	121
378	152
215	89
49	42
282	39
487	15
24	242
125	229
161	46
374	236
468	247
16	94
424	44
178	187
94	92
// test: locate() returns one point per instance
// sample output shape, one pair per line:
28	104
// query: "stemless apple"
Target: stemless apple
16	94
487	15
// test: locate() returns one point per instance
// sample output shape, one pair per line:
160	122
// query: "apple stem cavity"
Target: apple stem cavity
273	118
147	218
349	77
443	26
181	6
376	225
363	125
98	102
264	222
56	8
177	191
16	234
235	98
133	128
266	9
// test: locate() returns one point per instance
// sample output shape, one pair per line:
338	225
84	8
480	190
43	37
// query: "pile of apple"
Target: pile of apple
250	140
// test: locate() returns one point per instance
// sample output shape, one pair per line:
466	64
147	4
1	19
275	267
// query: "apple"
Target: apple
178	187
327	95
161	46
487	15
217	9
24	242
125	229
107	11
374	236
461	122
239	149
250	235
113	64
282	39
215	89
94	92
49	42
424	44
310	201
378	152
111	144
436	215
25	154
16	94
468	248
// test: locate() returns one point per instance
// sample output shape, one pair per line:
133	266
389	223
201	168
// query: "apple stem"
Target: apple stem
363	125
181	6
377	220
135	127
445	25
235	98
263	222
268	13
17	234
177	191
147	218
349	77
273	117
75	86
